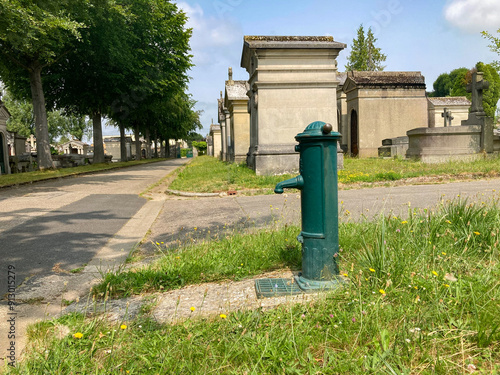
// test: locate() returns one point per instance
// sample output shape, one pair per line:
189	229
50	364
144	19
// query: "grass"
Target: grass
233	257
28	177
207	174
423	298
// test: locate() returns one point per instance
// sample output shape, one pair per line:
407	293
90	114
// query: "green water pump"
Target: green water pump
319	203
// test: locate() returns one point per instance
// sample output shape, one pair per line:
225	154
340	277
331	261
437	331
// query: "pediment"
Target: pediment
4	113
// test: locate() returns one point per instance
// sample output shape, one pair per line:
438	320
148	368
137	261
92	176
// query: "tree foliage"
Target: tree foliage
494	46
34	35
455	84
22	121
122	59
444	84
364	55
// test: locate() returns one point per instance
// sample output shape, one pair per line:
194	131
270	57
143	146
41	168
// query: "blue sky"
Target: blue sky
428	36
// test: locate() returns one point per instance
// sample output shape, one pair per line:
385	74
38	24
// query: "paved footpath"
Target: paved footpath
51	228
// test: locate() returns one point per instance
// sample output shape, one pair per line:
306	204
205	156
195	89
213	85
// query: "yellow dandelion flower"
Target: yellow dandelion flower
416	287
404	222
477	233
381	291
123	326
434	273
443	253
446	285
449	222
223	316
158	243
371	269
195	228
78	335
192	308
344	274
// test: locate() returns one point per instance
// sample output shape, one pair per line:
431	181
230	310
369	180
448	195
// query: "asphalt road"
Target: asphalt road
62	224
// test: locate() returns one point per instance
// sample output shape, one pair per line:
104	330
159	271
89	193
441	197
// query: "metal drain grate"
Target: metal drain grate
276	287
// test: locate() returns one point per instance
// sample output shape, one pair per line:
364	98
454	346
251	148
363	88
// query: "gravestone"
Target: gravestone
477	116
458	106
446	115
467	142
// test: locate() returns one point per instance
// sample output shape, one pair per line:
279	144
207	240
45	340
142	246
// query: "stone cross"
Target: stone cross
447	117
476	87
230	73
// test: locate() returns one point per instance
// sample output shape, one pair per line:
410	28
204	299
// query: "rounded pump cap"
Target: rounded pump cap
318	129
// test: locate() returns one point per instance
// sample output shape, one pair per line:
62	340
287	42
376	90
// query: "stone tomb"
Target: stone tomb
224	121
292	82
381	105
455	106
470	141
4	149
238	128
214	149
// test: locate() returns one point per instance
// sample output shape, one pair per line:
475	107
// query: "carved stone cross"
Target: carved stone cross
476	87
447	117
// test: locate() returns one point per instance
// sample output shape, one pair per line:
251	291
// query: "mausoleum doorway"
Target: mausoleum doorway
354	133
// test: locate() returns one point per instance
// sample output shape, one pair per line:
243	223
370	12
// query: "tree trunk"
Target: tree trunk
138	155
162	148
167	147
148	145
98	143
123	146
156	145
44	159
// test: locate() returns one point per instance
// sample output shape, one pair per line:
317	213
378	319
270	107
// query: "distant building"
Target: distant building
4	148
74	147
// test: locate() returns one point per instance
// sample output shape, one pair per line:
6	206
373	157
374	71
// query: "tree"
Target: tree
364	55
22	121
455	84
494	46
444	84
130	52
492	95
34	35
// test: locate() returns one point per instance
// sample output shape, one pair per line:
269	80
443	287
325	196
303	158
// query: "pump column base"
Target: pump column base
310	286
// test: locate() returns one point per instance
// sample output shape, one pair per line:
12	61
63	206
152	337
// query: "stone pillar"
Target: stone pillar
236	102
225	135
292	83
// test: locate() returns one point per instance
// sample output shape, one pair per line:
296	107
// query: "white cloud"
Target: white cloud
209	31
473	15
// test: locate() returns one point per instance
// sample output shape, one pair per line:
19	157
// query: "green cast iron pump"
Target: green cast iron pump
319	203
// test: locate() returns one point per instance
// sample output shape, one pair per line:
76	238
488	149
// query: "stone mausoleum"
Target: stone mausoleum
4	149
238	119
292	82
380	105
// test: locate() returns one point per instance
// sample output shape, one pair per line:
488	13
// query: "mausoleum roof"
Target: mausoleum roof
387	79
236	90
290	41
341	76
450	101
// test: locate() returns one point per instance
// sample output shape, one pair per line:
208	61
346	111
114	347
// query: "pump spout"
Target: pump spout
296	182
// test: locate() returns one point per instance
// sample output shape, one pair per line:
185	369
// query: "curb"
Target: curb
188	194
